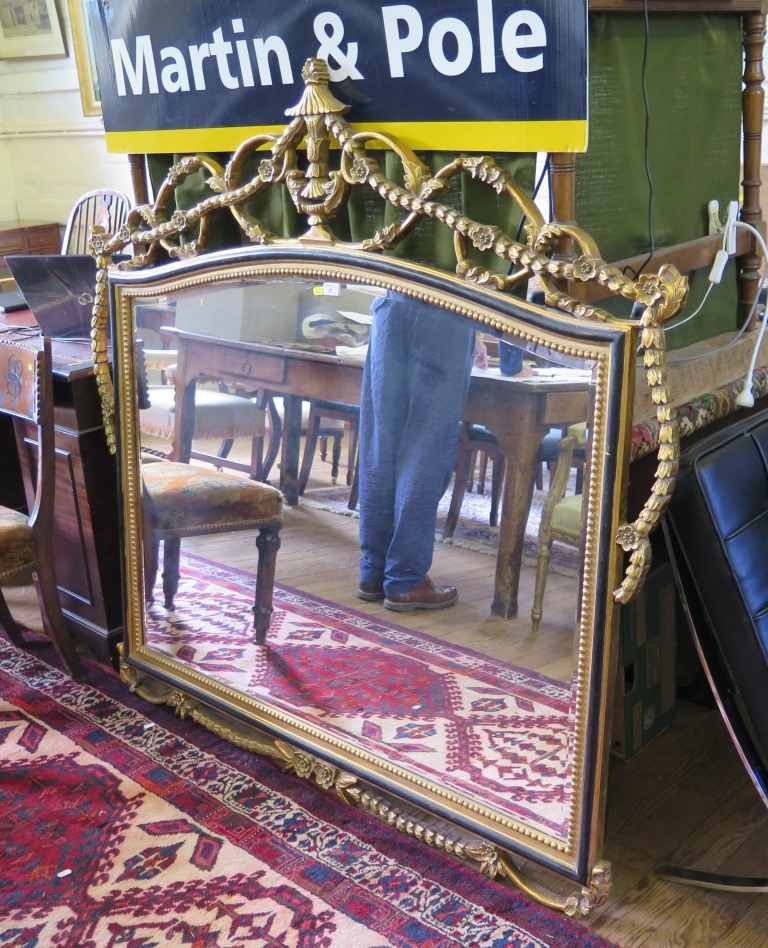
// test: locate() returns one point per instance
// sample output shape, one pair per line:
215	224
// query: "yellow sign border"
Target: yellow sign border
549	136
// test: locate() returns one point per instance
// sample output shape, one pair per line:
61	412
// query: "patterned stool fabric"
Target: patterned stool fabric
18	550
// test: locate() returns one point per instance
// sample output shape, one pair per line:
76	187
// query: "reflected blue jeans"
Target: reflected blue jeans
415	382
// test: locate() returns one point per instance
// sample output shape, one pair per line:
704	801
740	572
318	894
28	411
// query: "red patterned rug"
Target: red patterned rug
490	730
123	826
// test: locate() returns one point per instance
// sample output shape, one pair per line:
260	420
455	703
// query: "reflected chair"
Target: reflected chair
104	208
330	420
220	415
183	500
561	520
549	450
475	442
26	540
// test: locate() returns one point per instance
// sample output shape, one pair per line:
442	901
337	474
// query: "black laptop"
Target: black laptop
12	302
59	289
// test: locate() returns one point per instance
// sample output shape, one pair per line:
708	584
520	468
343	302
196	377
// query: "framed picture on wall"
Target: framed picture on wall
30	30
86	65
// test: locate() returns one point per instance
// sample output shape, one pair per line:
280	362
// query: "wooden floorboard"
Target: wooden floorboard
684	800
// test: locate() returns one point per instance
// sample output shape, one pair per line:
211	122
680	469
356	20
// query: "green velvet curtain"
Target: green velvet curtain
693	81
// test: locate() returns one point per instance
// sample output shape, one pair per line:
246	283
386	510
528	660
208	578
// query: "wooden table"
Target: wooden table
519	412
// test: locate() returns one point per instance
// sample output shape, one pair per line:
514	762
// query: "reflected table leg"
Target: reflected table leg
521	449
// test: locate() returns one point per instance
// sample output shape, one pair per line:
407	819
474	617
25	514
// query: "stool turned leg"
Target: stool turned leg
171	571
267	543
336	456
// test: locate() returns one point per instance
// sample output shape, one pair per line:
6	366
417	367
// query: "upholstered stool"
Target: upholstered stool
183	500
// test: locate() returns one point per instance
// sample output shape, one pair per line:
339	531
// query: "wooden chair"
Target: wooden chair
26	540
221	415
475	442
104	208
549	450
330	420
561	520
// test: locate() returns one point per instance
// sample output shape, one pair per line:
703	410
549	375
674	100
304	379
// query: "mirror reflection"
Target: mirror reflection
261	380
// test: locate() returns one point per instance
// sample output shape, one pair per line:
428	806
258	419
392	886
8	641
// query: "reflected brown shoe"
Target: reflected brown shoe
370	592
424	596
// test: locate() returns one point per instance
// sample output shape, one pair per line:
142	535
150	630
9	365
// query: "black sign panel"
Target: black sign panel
197	75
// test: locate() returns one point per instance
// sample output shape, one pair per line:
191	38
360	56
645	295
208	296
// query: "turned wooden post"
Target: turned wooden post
753	26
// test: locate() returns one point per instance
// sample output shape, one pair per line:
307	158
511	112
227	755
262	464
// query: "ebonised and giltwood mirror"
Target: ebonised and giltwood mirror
474	729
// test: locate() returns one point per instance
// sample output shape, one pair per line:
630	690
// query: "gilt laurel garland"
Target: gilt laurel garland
318	193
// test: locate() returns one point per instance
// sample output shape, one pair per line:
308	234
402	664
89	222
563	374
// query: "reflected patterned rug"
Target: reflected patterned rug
122	825
493	732
473	530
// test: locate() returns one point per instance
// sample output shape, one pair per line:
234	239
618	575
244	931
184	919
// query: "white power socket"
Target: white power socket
728	230
716	226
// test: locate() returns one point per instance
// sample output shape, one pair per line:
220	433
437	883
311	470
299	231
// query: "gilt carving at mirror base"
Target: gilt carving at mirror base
486	859
533	740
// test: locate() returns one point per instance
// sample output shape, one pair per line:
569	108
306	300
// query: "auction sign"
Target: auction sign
454	75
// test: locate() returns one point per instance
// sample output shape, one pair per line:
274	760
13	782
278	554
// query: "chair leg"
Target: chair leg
471	470
542	566
171	570
56	627
256	472
225	447
267	543
322	444
482	472
354	438
151	559
336	456
497	482
459	488
354	493
310	445
9	624
267	402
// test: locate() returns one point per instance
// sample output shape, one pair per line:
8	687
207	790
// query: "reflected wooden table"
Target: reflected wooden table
519	412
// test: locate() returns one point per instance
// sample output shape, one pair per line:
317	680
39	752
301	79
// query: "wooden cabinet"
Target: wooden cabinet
86	534
28	237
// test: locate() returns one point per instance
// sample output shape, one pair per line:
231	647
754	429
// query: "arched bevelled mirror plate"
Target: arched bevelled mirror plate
480	721
486	720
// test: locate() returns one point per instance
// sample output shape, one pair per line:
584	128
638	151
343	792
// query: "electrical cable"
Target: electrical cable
747	322
536	188
647	144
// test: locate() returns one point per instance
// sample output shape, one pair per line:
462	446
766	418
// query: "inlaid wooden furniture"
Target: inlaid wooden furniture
26	539
86	512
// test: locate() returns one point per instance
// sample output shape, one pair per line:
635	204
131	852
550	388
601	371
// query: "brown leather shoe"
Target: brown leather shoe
424	596
370	592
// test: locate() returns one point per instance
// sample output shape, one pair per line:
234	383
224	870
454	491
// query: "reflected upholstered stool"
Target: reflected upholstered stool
182	500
